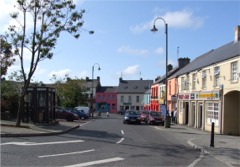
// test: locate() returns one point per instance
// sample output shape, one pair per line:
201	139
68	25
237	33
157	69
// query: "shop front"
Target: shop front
200	109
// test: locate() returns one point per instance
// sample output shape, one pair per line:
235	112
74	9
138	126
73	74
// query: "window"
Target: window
129	99
113	96
194	77
122	99
182	83
137	99
113	106
204	79
216	76
108	97
212	113
187	83
99	97
234	71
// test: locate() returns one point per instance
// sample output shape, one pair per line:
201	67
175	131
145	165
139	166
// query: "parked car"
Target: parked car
81	114
83	108
155	117
122	112
131	116
62	113
144	116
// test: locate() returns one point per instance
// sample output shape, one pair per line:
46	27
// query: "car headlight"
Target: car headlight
126	118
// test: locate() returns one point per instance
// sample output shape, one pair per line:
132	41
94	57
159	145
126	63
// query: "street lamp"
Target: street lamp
154	29
92	85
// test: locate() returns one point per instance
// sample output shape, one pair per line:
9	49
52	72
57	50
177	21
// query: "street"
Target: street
105	142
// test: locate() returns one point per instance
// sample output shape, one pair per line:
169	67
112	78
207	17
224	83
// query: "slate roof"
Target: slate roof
220	54
134	86
107	89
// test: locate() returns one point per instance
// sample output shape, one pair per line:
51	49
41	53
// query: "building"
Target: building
146	100
130	94
209	89
106	99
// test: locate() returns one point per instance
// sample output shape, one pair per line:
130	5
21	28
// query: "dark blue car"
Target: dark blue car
131	116
81	114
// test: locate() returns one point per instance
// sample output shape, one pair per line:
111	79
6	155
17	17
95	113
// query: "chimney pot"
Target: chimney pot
237	34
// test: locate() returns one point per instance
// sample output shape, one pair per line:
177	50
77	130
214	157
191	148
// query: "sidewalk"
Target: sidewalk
226	148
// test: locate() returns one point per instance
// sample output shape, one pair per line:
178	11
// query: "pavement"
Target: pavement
225	148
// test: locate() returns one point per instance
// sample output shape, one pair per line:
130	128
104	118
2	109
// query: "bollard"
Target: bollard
212	136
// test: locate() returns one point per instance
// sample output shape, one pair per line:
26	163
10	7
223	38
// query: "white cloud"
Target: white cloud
179	19
60	74
131	51
131	70
159	51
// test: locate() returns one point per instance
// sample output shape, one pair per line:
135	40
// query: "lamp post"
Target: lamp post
92	85
154	29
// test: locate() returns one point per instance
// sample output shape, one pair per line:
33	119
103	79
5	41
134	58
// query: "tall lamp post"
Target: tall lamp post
154	29
92	85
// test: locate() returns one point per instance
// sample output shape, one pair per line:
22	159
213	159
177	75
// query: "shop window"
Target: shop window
212	113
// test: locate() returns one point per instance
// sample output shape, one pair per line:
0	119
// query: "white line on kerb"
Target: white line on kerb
71	153
120	140
122	132
97	162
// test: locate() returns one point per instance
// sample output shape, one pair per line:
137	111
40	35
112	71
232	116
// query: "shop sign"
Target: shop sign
208	95
161	101
174	98
192	96
183	97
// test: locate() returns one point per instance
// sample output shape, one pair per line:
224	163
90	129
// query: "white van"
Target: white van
83	108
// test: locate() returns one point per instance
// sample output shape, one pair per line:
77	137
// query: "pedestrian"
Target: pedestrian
107	114
175	115
172	116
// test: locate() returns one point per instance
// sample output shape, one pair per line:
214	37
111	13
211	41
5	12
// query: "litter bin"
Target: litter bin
167	122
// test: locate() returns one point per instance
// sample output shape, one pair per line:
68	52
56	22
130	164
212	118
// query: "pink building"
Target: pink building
172	93
106	99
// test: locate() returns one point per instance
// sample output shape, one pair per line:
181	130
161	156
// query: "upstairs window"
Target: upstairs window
194	77
204	79
234	71
216	76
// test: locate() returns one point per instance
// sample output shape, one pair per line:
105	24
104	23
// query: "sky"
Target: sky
122	43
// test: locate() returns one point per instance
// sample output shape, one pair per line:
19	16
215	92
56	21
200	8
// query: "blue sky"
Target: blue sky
123	44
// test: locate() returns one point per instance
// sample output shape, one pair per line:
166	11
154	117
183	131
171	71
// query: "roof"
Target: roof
220	54
107	89
134	86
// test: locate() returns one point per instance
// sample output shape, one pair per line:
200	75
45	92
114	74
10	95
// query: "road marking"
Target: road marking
120	140
97	162
194	163
46	143
122	132
71	153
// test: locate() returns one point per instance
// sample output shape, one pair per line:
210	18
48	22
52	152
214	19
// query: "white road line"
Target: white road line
194	163
122	132
120	140
97	162
71	153
46	143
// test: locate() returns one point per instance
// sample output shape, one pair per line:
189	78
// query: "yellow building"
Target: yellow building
209	90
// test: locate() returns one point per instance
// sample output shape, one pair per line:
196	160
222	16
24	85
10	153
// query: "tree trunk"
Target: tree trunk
20	110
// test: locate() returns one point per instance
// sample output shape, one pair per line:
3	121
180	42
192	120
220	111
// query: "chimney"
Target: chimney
183	62
87	78
120	79
169	67
98	79
237	34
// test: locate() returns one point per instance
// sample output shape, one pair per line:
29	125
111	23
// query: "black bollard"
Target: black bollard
212	136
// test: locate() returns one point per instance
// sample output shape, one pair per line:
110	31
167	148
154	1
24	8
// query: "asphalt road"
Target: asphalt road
104	142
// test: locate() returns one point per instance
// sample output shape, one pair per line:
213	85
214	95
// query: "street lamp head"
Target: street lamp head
154	29
99	68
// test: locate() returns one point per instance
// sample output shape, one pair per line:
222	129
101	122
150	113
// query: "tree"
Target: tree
70	92
6	55
49	19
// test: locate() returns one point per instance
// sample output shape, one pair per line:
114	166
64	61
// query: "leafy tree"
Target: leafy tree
9	97
6	55
70	92
49	18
